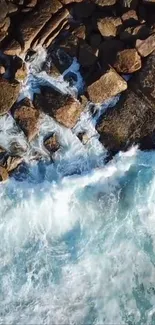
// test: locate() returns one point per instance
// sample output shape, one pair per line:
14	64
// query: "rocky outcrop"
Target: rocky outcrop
62	107
127	61
27	117
107	86
9	92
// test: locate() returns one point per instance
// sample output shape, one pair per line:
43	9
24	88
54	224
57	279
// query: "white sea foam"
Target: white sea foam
77	237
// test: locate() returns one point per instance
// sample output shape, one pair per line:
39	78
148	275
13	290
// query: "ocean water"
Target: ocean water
77	237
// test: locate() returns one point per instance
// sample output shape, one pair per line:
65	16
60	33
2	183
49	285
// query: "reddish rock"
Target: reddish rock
51	143
147	46
62	107
27	117
107	86
127	61
9	92
108	26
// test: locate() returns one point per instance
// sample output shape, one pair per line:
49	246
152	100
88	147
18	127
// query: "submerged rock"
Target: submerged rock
62	107
107	86
51	143
9	92
27	117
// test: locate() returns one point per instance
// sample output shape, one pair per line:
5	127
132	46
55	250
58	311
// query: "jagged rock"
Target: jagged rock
108	51
27	117
83	9
60	59
51	143
109	26
86	55
32	24
130	18
3	174
107	86
131	121
147	46
127	61
52	25
62	107
144	81
12	162
9	92
131	34
104	3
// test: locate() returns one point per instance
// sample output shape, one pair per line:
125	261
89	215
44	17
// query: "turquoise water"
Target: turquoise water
80	249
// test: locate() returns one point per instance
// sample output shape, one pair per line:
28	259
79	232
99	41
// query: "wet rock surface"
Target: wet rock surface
106	40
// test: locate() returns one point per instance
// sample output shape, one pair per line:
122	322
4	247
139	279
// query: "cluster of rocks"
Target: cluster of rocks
109	38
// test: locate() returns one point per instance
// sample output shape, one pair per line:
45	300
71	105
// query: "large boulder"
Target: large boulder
132	121
27	117
107	86
63	108
9	92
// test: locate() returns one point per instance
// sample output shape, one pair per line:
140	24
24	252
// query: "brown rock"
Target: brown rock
83	137
86	55
80	32
12	8
12	162
108	51
66	2
105	3
70	45
127	61
27	117
32	25
3	174
6	25
62	107
107	86
52	25
131	121
147	46
21	73
51	143
2	69
109	26
13	48
130	18
9	92
32	3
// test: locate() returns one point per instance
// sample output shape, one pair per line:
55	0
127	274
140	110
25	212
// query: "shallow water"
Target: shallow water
77	238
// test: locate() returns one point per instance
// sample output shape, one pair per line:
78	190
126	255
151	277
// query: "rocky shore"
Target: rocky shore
113	41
